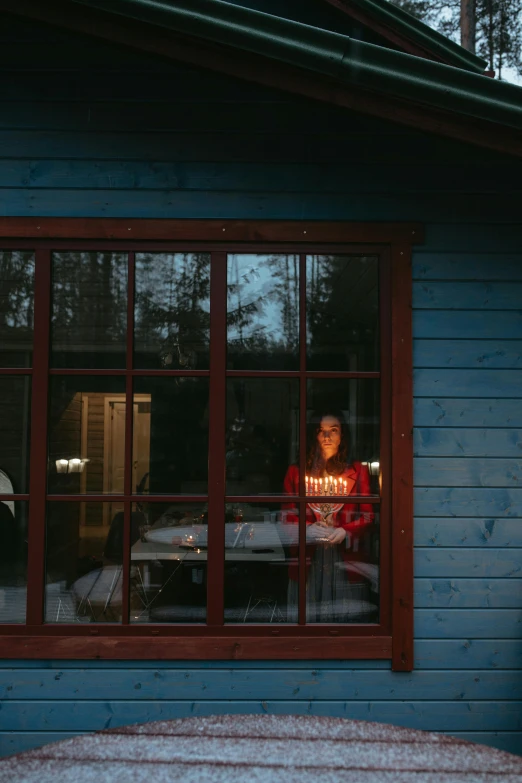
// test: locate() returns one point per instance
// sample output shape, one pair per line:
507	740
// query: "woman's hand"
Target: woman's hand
337	535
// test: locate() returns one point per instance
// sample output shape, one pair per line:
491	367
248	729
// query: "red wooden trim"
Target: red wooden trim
256	231
147	373
217	431
301	609
296	373
402	467
220	647
129	430
193	498
388	33
130	498
16	371
151	246
401	237
385	570
256	68
38	447
14	497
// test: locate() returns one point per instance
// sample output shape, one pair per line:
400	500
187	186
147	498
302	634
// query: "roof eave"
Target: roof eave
400	27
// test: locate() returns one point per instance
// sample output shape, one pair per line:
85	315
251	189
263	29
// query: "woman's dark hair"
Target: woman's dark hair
315	464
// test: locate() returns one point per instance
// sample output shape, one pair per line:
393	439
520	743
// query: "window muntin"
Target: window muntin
233	373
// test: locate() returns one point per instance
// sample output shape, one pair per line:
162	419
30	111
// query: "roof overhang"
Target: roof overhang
409	34
315	63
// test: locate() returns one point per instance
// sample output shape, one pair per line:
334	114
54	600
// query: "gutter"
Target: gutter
347	60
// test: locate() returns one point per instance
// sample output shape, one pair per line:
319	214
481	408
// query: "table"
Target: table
263	749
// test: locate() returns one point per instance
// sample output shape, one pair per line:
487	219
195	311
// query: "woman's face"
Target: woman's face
329	436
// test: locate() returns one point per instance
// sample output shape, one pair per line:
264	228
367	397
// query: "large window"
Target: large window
205	447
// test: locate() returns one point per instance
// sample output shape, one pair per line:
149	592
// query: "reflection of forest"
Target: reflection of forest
172	310
263	311
16	307
89	309
342	313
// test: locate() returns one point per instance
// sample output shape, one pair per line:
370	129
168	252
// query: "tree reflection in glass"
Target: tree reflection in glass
16	307
342	312
172	311
263	311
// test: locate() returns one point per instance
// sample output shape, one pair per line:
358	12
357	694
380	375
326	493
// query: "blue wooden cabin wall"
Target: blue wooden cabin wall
88	130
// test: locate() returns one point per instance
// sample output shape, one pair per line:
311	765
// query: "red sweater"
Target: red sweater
353	517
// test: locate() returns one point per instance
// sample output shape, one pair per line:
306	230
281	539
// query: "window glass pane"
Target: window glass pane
262	434
15	411
342	459
342	576
83	564
342	312
172	311
13	561
170	448
169	549
261	563
86	435
89	310
16	307
263	312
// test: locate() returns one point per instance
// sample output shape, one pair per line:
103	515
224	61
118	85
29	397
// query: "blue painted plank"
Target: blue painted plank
455	532
467	502
466	442
510	741
466	472
473	654
458	593
456	238
476	354
96	665
467	383
456	295
494	265
455	412
220	176
474	623
327	147
252	684
239	205
20	741
469	324
432	654
429	715
279	115
468	563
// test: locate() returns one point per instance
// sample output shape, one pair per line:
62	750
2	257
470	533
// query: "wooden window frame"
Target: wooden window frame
392	637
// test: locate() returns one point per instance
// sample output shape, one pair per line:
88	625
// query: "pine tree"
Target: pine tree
491	29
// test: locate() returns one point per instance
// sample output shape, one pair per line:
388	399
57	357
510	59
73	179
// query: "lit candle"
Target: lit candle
306	484
335	487
345	487
315	487
320	486
330	485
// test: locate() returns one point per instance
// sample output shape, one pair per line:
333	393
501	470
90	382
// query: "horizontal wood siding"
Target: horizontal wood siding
91	130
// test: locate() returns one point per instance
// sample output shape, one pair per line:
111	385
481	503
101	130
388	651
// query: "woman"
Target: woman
332	527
